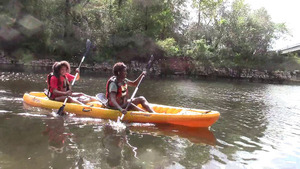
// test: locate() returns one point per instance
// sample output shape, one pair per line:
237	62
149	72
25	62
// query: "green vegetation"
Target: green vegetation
225	34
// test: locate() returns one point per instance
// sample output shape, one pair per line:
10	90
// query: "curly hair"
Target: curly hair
58	65
54	65
118	67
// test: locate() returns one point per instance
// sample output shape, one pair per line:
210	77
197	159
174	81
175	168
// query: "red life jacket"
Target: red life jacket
49	94
121	92
65	82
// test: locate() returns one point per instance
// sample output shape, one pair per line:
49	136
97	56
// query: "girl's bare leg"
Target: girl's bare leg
141	100
70	100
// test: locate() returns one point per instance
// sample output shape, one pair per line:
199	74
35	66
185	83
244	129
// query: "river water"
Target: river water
258	127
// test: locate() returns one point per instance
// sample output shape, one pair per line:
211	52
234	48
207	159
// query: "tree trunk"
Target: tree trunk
146	22
199	13
67	18
198	24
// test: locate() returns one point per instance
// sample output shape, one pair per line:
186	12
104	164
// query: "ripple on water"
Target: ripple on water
31	115
219	156
249	143
141	124
117	125
224	143
295	130
4	111
11	99
3	91
11	76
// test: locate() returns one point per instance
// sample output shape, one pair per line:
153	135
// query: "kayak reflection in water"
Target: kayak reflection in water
59	87
117	90
193	134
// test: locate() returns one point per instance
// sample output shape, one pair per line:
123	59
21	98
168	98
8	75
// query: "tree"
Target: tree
248	35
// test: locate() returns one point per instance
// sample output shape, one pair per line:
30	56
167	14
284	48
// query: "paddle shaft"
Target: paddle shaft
134	92
88	45
73	82
137	87
132	96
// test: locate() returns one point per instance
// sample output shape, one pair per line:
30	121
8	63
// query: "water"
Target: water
258	128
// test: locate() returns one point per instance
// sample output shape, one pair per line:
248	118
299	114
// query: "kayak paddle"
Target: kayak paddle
137	87
102	98
88	46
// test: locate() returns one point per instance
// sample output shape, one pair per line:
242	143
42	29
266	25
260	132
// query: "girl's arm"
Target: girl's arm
113	97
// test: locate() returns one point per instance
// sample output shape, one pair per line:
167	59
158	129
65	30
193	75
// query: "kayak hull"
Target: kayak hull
165	114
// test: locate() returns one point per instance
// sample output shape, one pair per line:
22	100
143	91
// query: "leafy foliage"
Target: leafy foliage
170	46
224	34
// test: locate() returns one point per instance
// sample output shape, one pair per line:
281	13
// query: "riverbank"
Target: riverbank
164	68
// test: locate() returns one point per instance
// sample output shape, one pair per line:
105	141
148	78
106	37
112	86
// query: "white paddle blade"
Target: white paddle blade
102	98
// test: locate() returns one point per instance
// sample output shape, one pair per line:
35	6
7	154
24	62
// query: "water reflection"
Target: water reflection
194	135
243	108
55	130
258	127
139	145
18	83
113	142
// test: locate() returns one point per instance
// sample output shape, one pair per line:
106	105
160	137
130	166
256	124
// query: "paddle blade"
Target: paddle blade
121	118
61	110
150	62
88	46
88	43
102	98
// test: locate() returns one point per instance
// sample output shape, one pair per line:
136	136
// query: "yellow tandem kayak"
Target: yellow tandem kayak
165	114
